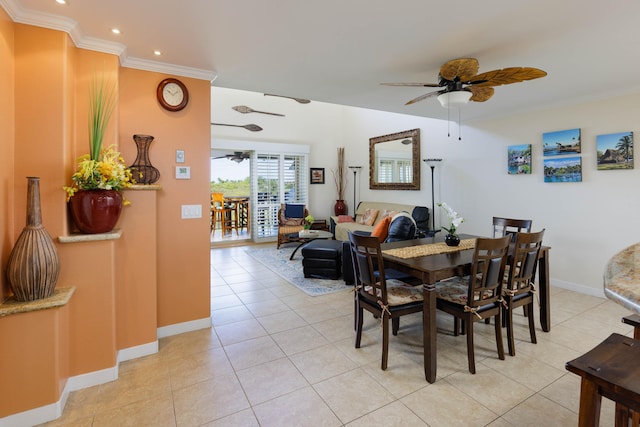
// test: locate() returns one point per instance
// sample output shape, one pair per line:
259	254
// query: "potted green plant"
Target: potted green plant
95	197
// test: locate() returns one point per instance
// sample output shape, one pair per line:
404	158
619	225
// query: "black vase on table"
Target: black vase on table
452	240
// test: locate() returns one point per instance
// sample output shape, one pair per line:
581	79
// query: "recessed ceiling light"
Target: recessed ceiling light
115	31
61	1
157	53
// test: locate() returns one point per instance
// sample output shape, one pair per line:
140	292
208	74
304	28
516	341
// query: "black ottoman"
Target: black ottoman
322	258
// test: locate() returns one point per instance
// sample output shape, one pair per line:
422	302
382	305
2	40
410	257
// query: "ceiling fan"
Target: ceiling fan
237	156
461	83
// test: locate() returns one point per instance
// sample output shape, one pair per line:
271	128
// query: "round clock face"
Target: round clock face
172	94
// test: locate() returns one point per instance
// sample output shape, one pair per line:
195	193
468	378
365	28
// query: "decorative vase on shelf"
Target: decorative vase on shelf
142	170
33	265
340	208
452	240
96	211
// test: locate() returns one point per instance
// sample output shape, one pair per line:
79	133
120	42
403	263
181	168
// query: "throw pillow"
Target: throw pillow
345	218
381	230
390	213
369	216
294	211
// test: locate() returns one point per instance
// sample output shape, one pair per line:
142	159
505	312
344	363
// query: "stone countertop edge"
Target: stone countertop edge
622	278
75	238
60	298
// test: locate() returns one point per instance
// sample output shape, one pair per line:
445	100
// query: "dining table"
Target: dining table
430	260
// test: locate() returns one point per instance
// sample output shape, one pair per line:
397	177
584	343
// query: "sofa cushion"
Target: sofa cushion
369	217
345	218
381	230
402	227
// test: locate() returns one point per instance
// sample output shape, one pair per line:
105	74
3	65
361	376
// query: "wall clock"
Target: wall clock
172	94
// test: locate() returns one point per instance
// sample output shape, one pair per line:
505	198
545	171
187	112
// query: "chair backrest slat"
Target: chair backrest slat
512	226
367	258
522	268
487	271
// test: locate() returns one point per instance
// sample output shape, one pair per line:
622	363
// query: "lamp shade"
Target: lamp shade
455	98
432	162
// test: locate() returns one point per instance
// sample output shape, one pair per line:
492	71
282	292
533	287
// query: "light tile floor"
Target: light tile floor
278	357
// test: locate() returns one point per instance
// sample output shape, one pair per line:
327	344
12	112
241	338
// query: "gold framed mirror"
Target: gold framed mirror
394	161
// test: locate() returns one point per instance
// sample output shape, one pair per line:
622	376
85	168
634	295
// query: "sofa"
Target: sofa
340	229
402	227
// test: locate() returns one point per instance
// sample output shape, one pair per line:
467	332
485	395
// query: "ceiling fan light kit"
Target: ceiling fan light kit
456	98
460	80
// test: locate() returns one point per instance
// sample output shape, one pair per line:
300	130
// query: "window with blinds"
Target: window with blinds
276	179
385	171
405	171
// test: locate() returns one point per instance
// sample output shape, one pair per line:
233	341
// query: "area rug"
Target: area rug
277	260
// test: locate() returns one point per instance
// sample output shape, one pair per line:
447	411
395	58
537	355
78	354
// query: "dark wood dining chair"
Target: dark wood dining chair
512	226
477	296
384	298
518	288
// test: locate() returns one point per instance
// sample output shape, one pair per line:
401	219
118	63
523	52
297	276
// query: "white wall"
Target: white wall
586	223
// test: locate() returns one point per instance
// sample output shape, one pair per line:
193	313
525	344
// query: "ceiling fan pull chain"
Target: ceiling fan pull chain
448	123
459	125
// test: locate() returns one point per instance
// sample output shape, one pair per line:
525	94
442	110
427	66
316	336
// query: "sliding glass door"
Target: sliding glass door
276	179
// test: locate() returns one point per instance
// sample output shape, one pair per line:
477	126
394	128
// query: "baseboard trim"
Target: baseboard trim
575	287
137	351
181	328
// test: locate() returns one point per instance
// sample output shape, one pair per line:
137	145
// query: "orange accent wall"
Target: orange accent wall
7	144
157	274
182	245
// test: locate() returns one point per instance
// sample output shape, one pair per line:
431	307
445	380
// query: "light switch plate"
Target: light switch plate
179	156
191	211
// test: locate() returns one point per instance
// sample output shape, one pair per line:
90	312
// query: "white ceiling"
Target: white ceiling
339	51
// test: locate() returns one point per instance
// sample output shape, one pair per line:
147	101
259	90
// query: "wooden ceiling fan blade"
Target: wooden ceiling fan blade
480	94
425	96
463	68
508	76
412	84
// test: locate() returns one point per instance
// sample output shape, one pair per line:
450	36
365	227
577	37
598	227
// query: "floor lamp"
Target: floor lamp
432	164
355	170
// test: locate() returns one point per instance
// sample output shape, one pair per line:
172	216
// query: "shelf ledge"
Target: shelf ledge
60	298
115	234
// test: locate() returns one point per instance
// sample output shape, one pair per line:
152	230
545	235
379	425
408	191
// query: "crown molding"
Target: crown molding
163	67
56	22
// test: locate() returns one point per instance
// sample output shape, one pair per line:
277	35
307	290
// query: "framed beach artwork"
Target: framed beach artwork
519	159
563	169
316	175
561	142
615	151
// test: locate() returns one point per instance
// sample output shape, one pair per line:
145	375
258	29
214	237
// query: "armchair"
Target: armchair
290	220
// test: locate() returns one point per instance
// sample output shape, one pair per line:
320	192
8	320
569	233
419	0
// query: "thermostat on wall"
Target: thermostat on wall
183	172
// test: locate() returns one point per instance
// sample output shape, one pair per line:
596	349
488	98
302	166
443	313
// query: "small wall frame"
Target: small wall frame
316	175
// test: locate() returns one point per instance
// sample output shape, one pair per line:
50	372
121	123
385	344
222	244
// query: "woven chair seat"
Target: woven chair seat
399	292
289	229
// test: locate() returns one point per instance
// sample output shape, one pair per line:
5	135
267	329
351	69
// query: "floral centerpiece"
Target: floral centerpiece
102	174
455	220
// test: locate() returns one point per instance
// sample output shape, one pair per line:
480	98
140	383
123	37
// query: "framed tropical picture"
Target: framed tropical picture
519	159
615	151
316	175
561	142
563	169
